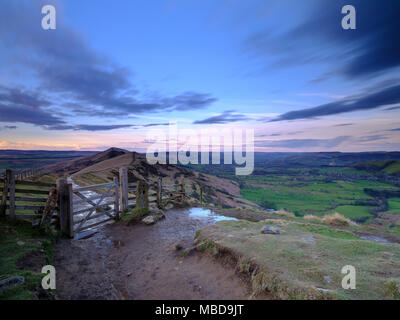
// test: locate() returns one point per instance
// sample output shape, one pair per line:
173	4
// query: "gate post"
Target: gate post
159	191
142	195
65	195
11	184
123	188
116	198
182	189
3	206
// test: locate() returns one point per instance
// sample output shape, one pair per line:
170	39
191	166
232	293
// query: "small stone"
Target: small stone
11	282
149	220
20	243
169	206
327	279
270	230
323	290
309	239
129	274
179	246
157	211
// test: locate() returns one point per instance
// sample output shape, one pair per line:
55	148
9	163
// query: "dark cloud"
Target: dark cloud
343	124
304	143
371	138
155	124
396	129
86	82
370	49
18	105
10	127
225	117
293	133
385	96
88	127
17	96
392	108
20	113
270	135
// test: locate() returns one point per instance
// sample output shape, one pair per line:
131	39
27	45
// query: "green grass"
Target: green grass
314	196
35	241
393	168
353	212
289	267
134	215
387	166
394	205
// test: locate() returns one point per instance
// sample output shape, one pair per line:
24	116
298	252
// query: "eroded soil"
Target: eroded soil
140	262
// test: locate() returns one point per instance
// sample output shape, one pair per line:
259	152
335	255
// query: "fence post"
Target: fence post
159	191
65	195
11	182
182	188
123	188
142	195
70	210
5	194
116	198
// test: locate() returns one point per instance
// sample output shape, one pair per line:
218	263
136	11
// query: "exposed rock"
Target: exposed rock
309	239
20	243
10	282
179	245
157	212
270	230
149	220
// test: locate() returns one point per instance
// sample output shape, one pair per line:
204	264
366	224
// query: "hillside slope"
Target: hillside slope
72	166
217	191
388	166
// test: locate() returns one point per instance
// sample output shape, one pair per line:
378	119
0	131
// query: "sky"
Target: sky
113	70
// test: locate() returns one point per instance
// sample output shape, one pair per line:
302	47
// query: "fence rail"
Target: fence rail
78	208
22	198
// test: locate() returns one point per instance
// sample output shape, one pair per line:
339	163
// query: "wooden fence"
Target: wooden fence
25	199
77	210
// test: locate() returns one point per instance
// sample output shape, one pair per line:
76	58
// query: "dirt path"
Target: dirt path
140	262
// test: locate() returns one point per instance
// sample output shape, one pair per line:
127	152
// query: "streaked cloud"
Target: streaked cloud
382	97
227	116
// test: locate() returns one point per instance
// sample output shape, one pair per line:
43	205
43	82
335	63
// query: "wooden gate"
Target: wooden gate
98	206
78	209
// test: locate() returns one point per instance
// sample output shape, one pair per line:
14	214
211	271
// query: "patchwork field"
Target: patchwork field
316	190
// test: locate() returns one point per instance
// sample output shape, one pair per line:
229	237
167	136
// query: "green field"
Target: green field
394	206
317	190
314	197
353	212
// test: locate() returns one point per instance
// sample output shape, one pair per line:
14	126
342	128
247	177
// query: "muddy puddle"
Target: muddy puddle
207	214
